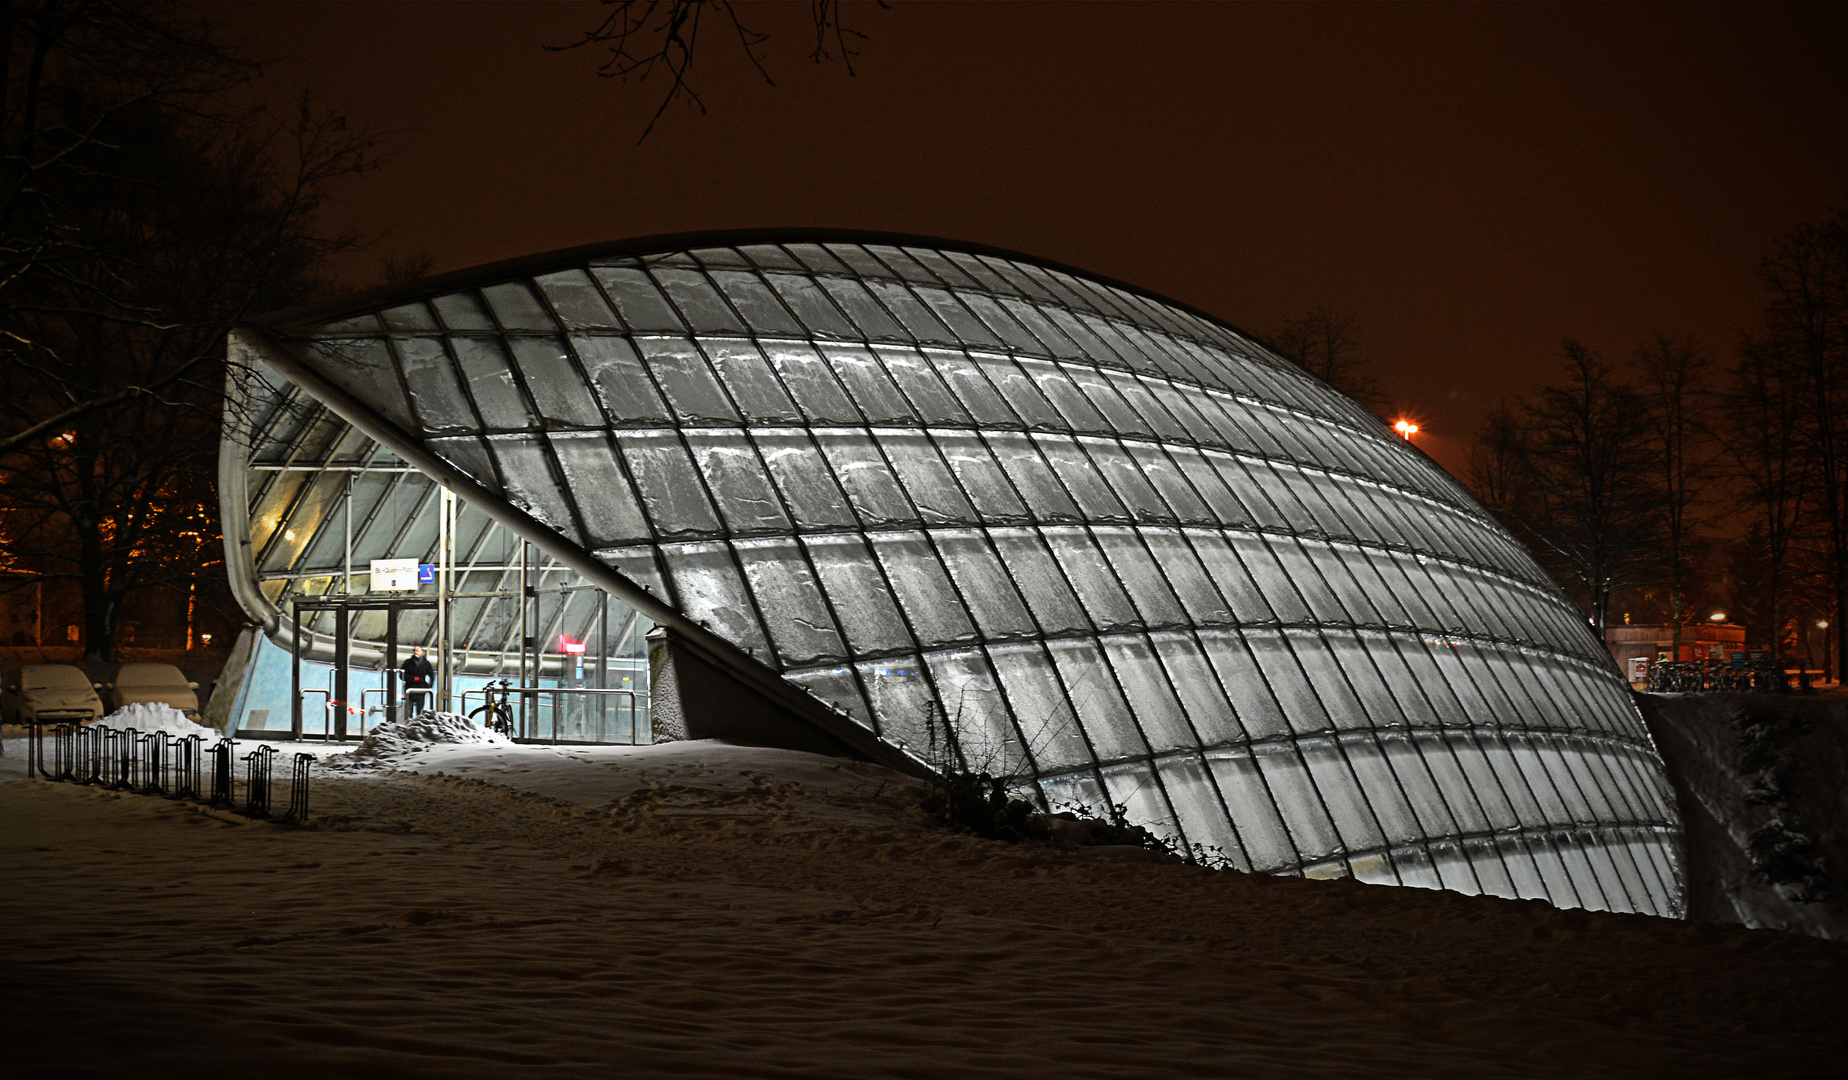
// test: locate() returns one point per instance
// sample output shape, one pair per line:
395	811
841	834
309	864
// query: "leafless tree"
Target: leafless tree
1563	472
1326	345
644	37
174	214
1679	452
1804	347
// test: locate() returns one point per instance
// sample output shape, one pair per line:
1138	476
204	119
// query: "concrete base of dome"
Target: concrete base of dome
691	698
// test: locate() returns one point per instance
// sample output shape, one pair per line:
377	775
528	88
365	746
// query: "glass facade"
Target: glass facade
1020	519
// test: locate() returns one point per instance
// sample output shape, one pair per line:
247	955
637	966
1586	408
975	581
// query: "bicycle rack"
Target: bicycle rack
186	768
153	748
298	789
222	794
257	781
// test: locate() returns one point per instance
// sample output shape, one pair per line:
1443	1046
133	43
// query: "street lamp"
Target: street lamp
1718	616
1406	428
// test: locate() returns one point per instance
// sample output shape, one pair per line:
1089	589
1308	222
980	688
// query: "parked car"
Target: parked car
53	694
144	684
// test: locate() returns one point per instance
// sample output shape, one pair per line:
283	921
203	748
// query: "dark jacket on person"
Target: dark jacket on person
418	673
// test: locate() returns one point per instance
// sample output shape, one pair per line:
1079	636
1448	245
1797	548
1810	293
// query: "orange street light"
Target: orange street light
1718	616
1406	428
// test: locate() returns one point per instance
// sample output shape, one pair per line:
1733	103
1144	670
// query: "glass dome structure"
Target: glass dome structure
1010	516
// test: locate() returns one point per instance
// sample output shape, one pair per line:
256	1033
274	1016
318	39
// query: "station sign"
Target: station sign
394	575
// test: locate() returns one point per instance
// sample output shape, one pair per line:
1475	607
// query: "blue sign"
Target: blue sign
426	573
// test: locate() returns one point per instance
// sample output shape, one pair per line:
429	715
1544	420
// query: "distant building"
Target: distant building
1699	641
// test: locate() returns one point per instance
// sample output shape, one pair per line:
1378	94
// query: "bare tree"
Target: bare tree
1563	471
1804	342
172	219
648	36
1679	453
1326	345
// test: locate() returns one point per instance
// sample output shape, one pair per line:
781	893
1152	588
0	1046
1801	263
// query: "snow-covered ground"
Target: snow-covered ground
483	909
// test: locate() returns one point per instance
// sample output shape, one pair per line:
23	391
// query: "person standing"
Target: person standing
419	677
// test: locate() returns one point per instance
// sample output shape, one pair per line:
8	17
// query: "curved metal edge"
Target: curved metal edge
250	342
671	243
234	497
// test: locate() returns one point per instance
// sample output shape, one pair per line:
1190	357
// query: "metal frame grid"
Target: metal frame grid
1134	558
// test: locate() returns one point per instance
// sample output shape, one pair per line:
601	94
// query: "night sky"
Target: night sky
1471	182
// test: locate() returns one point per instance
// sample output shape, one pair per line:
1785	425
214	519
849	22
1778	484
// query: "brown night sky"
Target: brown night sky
1472	182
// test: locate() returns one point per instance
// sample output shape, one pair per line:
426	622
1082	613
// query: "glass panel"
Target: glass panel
984	583
1260	827
1262	566
802	629
861	308
1176	492
834	686
1126	479
1139	574
972	389
1019	393
1134	787
491	383
811	305
929	398
1341	794
752	384
640	303
408	319
640	565
711	593
1090	576
689	384
1031	565
966	326
729	463
1250	694
1040	707
1080	478
811	383
1045	496
1470	784
603	494
901	699
925	478
1323	607
923	589
966	686
1300	705
1230	577
669	484
980	475
1197	686
859	593
553	379
1297	801
916	318
1189	579
622	383
1154	705
1381	786
867	479
802	475
462	311
470	455
698	301
866	381
755	302
1196	800
517	308
436	393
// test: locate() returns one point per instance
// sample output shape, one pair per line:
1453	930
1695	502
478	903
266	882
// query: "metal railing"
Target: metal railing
155	763
583	717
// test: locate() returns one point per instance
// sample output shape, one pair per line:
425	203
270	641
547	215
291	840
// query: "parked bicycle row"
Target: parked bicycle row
1714	676
155	763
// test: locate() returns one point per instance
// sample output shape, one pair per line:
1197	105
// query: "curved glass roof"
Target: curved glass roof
1041	524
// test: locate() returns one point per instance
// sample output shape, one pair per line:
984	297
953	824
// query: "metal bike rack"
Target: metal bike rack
298	789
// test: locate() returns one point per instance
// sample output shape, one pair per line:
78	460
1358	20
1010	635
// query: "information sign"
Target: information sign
394	575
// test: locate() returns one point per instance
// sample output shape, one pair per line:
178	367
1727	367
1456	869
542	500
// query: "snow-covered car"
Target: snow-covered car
152	684
53	694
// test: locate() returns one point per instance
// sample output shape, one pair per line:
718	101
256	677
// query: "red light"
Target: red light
574	648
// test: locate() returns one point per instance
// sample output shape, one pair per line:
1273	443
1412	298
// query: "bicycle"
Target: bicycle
495	712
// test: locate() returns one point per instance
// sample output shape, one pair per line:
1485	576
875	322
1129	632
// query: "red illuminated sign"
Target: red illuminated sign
574	648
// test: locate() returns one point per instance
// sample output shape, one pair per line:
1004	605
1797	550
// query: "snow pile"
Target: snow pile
157	716
1758	781
398	738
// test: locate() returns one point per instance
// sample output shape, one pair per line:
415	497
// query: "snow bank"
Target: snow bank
156	716
399	738
1758	781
